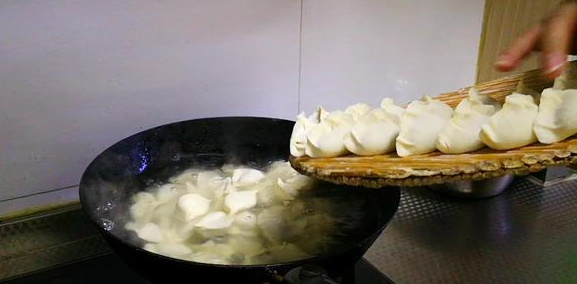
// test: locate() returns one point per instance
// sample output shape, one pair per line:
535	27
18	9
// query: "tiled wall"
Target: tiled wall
364	50
77	76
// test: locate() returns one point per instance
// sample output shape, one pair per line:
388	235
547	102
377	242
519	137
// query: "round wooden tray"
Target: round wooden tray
435	168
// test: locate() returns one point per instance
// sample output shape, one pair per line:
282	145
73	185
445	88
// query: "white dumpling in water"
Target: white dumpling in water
240	200
163	214
246	246
150	232
216	247
167	192
461	134
512	126
246	177
206	177
272	224
170	249
189	175
372	134
421	123
214	221
557	117
281	170
245	223
245	220
326	139
192	205
143	207
303	125
294	184
287	252
209	184
208	257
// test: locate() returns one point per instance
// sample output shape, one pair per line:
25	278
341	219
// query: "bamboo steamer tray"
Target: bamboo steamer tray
436	168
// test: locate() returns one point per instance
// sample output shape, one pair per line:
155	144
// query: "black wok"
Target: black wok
155	155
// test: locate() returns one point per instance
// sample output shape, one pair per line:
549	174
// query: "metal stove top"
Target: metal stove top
110	269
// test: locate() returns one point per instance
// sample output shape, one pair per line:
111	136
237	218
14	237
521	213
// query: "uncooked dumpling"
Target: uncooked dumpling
357	110
421	123
461	134
303	125
512	126
326	139
392	111
372	134
557	118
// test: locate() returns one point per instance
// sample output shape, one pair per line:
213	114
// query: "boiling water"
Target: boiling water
289	218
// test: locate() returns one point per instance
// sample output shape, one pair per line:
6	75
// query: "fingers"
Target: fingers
557	40
519	49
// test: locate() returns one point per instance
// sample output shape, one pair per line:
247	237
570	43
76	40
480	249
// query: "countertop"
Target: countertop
528	234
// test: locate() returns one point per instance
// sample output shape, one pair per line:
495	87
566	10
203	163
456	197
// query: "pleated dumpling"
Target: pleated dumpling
356	111
326	139
421	123
461	134
303	125
375	132
512	126
557	118
392	111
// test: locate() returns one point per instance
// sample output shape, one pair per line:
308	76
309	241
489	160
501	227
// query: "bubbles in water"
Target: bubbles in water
107	225
104	208
309	211
175	157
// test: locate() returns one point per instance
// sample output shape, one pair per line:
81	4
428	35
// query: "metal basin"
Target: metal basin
475	189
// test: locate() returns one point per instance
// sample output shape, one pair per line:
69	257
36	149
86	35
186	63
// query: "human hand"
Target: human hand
555	37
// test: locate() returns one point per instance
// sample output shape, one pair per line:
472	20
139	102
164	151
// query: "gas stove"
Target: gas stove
110	269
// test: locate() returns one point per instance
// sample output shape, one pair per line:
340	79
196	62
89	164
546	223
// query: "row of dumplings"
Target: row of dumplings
427	125
232	215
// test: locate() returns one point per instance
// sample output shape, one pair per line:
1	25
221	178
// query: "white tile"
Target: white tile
363	50
77	76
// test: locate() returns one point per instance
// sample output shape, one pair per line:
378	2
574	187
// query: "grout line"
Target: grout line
300	59
38	193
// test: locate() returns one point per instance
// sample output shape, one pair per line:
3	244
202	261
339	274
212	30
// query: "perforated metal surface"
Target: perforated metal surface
526	235
52	239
